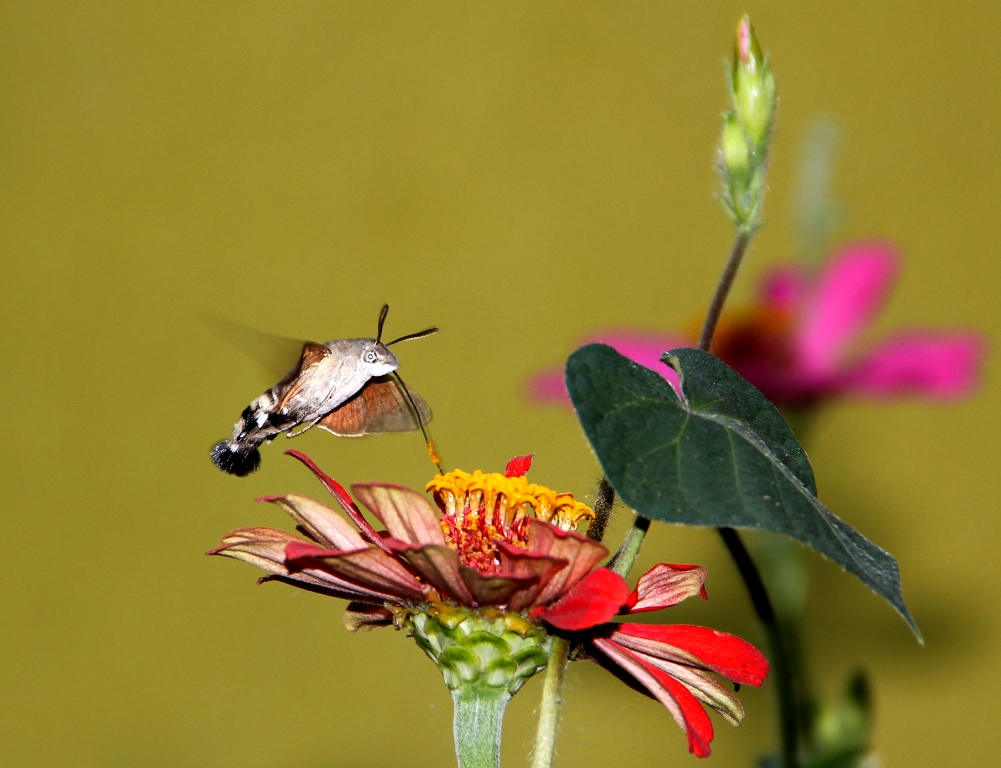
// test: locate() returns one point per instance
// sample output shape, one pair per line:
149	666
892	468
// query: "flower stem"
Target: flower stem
737	251
623	560
782	661
479	717
552	702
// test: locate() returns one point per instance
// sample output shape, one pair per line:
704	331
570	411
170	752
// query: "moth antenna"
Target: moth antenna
409	336
382	319
420	422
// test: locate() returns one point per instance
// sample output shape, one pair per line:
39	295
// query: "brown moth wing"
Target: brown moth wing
312	354
380	406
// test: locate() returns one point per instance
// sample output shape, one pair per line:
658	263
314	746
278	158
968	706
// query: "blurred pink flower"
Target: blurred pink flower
800	342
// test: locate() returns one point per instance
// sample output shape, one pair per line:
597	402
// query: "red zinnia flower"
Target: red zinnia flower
673	661
483	587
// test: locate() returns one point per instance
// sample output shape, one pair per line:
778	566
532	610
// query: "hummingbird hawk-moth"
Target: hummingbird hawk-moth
348	386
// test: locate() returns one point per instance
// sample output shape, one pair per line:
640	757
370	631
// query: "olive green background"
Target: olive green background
519	174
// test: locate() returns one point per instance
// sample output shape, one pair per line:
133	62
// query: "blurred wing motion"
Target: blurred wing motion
381	406
275	355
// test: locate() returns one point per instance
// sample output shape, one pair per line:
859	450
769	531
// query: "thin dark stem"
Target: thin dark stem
723	288
782	662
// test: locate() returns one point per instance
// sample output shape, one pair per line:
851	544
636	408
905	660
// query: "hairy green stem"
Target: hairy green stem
479	717
623	560
737	251
552	702
552	690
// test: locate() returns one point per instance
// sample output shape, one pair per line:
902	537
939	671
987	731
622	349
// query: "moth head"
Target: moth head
377	358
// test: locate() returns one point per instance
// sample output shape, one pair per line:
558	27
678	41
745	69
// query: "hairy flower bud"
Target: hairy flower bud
753	87
734	152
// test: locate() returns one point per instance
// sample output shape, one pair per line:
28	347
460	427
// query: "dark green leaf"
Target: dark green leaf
722	456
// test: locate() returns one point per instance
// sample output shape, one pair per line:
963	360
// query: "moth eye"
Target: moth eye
370	357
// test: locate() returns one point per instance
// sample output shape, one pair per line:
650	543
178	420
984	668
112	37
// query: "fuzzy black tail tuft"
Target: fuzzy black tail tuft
236	459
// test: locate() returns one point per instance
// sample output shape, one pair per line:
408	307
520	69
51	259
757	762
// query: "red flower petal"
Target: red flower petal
580	552
678	700
541	569
265	549
368	568
720	652
338	492
665	585
406	514
439	566
519	466
497	588
318	521
594	600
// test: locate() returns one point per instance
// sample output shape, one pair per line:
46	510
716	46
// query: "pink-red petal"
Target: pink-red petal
368	568
438	566
667	584
537	569
519	466
720	652
846	299
341	496
496	589
935	364
784	289
318	521
264	548
406	514
580	552
593	600
678	700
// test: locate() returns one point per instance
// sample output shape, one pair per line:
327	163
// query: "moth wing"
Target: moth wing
312	356
380	406
275	355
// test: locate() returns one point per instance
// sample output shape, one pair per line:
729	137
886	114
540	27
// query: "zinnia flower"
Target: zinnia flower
800	342
484	586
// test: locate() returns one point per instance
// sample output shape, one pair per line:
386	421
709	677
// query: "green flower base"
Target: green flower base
485	656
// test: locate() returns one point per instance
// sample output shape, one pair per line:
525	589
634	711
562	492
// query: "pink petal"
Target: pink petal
719	652
665	585
368	568
846	299
580	552
645	349
940	365
338	492
519	466
406	514
318	521
439	566
593	600
683	706
536	568
360	617
496	589
784	288
548	387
